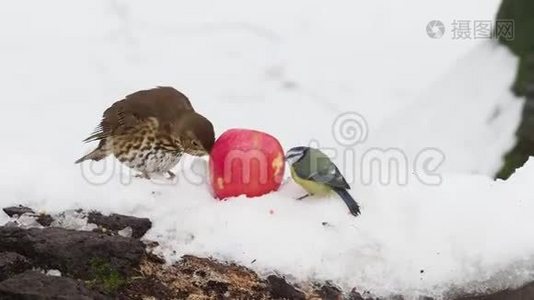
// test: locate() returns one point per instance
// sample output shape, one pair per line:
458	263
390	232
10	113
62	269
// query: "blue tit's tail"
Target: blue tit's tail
354	208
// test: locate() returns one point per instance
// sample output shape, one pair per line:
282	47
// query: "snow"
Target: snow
126	232
260	66
25	221
462	110
73	220
55	273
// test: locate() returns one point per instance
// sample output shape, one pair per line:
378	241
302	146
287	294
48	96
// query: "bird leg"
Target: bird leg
304	197
143	175
171	175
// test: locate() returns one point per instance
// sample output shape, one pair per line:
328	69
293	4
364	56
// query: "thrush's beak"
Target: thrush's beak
201	153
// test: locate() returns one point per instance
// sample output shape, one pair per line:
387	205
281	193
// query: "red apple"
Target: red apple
246	162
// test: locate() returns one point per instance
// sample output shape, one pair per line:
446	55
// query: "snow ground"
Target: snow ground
260	66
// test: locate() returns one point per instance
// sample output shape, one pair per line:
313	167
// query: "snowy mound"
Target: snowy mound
467	233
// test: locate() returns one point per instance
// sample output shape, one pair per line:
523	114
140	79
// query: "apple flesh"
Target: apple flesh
246	162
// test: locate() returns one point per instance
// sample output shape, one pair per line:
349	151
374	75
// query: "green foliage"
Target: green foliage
512	161
522	13
516	158
105	276
525	74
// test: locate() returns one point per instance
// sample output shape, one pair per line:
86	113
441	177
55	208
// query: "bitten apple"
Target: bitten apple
246	162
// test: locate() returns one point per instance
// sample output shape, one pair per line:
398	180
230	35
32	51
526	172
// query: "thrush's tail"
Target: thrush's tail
97	155
102	150
353	206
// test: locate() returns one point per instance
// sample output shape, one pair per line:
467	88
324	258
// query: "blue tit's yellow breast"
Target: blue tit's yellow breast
311	187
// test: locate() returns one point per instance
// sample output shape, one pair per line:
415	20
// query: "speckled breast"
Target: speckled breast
145	150
151	160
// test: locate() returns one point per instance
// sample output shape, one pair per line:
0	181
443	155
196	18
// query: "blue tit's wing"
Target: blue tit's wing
331	177
316	166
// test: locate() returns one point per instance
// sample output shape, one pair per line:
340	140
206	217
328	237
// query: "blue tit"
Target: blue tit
319	176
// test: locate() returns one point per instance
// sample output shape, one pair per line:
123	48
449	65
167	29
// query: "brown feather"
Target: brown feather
164	103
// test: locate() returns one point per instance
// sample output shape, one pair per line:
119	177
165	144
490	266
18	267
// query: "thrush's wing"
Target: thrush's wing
164	103
316	166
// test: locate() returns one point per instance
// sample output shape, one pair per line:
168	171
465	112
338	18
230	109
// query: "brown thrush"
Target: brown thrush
150	130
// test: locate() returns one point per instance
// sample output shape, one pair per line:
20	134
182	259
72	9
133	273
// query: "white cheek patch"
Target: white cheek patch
293	156
293	159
